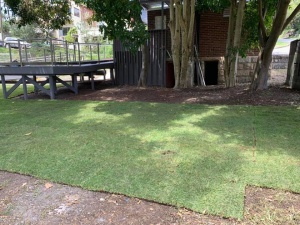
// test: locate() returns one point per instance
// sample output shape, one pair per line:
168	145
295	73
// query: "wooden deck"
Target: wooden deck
29	71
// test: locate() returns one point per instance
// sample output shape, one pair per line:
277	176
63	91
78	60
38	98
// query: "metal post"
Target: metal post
51	50
54	58
10	56
91	52
26	56
74	52
79	53
98	48
20	53
67	54
104	51
45	57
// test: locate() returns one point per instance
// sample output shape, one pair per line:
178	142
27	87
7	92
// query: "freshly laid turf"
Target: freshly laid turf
195	156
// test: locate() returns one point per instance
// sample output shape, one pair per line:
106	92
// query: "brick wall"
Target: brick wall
213	34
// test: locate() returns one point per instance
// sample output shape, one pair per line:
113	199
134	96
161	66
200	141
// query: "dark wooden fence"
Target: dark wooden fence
293	71
128	65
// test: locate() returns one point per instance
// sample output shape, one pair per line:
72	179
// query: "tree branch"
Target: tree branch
192	21
261	20
291	17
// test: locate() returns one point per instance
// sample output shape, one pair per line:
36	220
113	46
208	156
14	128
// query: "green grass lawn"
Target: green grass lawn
280	44
17	92
195	156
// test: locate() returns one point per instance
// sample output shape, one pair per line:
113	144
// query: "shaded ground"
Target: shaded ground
241	95
26	200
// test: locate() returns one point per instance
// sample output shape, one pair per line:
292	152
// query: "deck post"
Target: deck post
3	86
24	87
74	82
52	86
112	76
35	88
91	76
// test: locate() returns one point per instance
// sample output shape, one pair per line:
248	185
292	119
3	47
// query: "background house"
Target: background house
88	31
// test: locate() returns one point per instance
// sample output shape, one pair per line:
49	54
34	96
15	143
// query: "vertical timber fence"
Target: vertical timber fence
128	65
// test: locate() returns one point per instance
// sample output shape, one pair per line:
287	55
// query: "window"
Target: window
65	30
76	12
158	23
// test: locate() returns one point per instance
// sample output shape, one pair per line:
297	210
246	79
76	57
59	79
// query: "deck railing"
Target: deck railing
53	51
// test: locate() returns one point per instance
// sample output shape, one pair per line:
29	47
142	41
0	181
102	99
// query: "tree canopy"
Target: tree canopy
119	20
47	14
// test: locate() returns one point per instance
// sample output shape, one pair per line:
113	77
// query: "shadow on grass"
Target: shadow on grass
195	156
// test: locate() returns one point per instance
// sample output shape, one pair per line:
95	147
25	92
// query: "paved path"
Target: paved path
9	78
282	51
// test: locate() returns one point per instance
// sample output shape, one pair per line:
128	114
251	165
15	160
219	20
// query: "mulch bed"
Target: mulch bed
213	95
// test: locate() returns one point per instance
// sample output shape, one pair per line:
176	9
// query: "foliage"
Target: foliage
194	156
84	27
212	5
273	19
70	35
6	27
250	30
46	14
293	29
27	32
120	20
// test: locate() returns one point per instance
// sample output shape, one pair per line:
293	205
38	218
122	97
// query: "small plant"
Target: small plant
70	37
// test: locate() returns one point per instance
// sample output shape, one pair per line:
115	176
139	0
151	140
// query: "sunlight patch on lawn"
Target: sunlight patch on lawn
195	156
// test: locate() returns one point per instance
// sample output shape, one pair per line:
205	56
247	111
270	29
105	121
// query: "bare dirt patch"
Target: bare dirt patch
26	200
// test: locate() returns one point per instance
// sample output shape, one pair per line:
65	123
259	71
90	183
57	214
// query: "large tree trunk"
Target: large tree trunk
267	43
187	28
233	42
175	38
229	42
261	73
145	65
182	17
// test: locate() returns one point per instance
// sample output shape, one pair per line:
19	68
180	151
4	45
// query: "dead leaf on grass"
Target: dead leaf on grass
112	201
72	199
28	134
48	185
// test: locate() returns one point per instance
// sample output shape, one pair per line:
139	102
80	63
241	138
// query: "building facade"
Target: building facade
81	16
